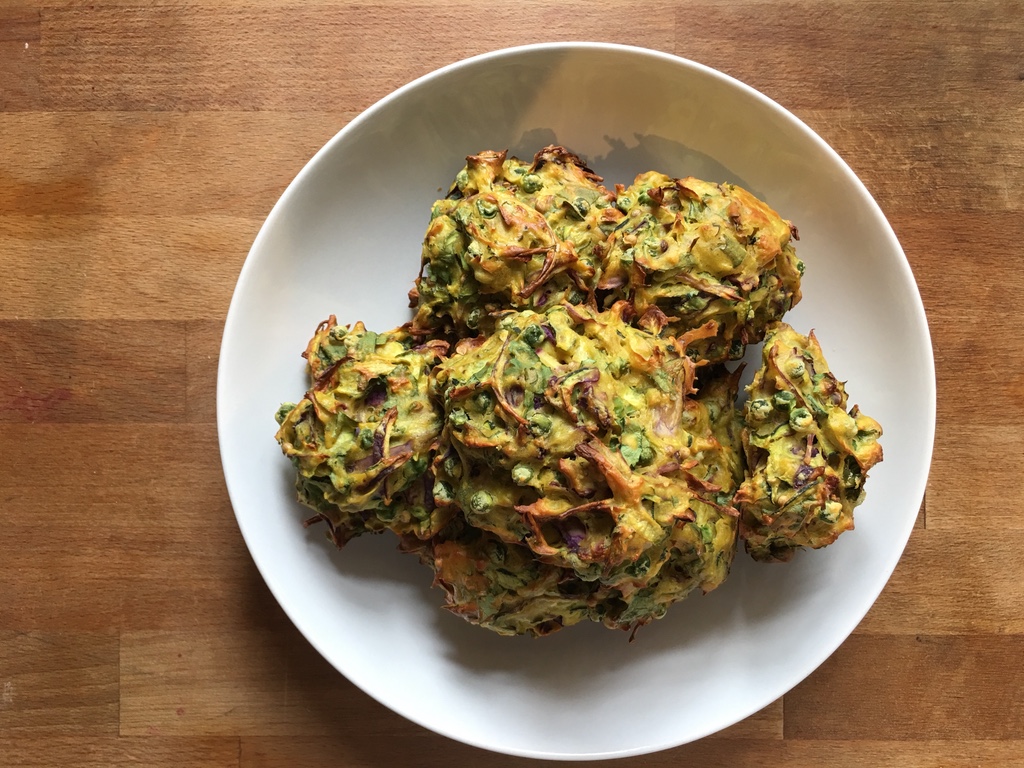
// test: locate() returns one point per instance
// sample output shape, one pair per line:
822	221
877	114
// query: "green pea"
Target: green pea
453	466
758	409
784	399
521	474
481	502
531	183
487	209
540	424
800	419
443	492
533	335
458	418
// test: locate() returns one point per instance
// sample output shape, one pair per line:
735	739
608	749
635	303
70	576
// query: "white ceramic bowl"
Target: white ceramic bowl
345	239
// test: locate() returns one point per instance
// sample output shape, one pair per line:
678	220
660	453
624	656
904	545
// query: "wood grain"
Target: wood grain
146	164
89	371
295	57
945	584
959	163
19	56
93	371
113	268
141	147
58	682
957	687
102	752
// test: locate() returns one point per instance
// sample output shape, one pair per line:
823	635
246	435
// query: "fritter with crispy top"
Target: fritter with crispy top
574	434
807	457
689	252
363	437
511	236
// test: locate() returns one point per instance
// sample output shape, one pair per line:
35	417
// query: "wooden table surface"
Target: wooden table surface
141	146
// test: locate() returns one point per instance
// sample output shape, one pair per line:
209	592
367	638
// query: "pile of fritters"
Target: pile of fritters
556	433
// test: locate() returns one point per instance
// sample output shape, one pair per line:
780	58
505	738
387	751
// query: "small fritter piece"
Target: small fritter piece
511	236
506	588
807	457
364	435
689	252
695	555
568	432
503	586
